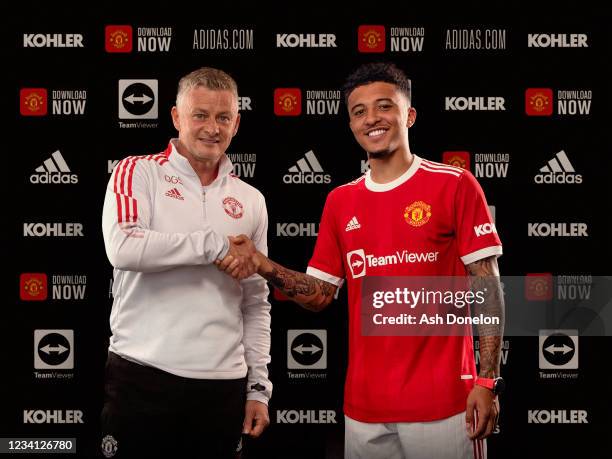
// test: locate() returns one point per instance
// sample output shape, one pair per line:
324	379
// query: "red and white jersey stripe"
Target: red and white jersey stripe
127	205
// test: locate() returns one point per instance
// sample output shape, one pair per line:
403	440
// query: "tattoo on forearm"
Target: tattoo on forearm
327	289
301	287
484	277
291	284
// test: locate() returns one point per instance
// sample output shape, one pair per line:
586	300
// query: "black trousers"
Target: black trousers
150	413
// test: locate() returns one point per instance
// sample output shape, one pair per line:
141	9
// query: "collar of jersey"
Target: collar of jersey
379	187
182	164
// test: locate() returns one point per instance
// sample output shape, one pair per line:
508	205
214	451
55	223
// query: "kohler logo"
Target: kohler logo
306	417
52	417
297	229
52	229
557	417
52	40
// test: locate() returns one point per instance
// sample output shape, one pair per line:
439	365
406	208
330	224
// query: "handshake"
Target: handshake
242	259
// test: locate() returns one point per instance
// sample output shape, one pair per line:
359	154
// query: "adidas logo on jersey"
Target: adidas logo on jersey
54	170
174	193
353	224
308	170
558	170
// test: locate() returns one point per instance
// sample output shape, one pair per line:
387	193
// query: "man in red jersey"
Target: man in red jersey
405	396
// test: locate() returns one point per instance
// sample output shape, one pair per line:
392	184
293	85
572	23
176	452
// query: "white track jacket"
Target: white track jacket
173	309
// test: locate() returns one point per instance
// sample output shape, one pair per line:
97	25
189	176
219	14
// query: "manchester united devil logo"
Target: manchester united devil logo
119	39
371	38
417	213
33	102
287	102
232	207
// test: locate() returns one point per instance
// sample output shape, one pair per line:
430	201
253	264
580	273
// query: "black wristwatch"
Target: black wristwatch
497	385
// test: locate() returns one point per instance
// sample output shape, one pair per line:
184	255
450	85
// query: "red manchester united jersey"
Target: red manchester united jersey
431	221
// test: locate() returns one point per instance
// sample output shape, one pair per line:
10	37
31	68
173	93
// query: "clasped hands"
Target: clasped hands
241	260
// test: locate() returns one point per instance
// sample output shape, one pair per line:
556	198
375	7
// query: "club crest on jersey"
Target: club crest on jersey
232	207
417	213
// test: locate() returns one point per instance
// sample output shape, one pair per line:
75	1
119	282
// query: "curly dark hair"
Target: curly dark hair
377	71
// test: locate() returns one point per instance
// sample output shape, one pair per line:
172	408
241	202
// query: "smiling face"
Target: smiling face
379	117
206	120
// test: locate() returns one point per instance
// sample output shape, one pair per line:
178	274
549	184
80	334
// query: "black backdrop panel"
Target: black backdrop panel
466	56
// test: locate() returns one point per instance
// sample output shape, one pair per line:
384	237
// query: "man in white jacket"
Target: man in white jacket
187	357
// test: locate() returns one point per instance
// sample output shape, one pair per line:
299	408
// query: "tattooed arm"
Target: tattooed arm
308	291
484	276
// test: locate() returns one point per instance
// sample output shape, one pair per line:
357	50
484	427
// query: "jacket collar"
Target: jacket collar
182	164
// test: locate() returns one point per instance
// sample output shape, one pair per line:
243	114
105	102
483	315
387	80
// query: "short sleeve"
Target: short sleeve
476	232
326	262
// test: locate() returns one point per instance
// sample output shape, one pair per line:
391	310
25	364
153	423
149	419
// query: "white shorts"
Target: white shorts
443	439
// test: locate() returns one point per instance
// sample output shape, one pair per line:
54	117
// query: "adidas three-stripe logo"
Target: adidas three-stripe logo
558	170
54	170
174	193
353	224
59	165
307	170
309	163
560	163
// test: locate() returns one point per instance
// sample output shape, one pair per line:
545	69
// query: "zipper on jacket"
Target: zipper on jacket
205	217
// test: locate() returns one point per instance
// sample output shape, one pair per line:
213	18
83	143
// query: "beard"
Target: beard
380	154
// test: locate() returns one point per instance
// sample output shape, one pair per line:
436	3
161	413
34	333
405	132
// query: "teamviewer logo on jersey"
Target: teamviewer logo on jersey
357	263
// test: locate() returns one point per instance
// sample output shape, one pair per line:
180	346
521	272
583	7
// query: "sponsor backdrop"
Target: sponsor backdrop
520	104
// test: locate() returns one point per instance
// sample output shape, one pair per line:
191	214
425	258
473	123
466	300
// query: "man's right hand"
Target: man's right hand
240	261
312	293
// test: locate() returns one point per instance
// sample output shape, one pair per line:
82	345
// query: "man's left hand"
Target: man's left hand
256	418
482	404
